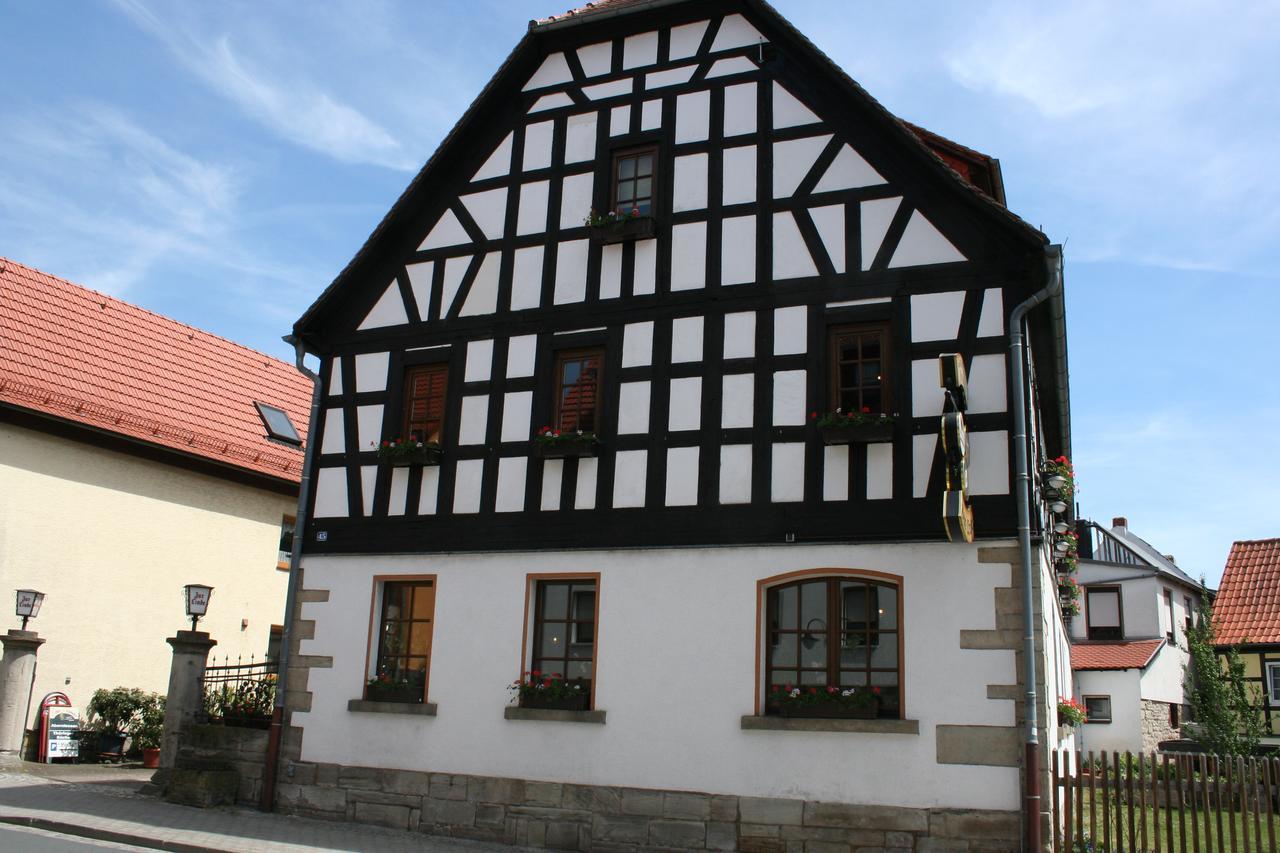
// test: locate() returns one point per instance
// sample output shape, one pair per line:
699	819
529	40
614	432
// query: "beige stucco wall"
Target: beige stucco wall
111	539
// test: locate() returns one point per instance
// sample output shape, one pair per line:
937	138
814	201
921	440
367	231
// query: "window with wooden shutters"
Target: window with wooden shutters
577	405
859	365
424	400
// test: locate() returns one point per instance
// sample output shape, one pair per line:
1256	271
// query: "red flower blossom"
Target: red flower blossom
866	410
875	690
813	691
813	416
831	690
537	673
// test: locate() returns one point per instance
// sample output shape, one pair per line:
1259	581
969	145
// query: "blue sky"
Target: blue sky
219	163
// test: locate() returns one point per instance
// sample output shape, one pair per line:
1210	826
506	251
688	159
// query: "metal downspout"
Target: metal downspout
268	799
1022	489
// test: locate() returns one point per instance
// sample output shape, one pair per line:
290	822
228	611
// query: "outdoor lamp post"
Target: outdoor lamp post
197	601
29	602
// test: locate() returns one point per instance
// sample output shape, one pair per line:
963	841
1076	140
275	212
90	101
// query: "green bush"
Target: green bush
114	710
149	724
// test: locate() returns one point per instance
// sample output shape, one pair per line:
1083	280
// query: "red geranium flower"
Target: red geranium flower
866	410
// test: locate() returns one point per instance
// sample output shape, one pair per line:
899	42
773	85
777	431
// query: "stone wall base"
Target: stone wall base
243	751
1155	725
560	816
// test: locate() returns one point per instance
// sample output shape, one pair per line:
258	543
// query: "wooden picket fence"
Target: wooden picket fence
1166	803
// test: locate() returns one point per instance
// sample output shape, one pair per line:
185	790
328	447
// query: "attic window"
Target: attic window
278	424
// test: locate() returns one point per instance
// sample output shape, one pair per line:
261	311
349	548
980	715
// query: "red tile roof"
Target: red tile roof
1247	609
81	356
1135	654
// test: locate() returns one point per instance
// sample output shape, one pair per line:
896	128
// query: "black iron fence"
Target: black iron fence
240	694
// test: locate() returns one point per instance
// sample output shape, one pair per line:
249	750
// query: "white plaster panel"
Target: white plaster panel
669	77
792	160
879	471
334	439
740	109
737	400
553	70
685	39
479	361
686	339
399	491
584	493
936	316
612	89
693	116
420	276
738	250
740	335
537	145
611	271
640	50
466	486
516	414
482	297
551	102
991	320
685	410
571	272
922	243
876	218
787	474
371	371
735	31
429	492
368	426
688	255
335	376
735	473
922	449
989	463
788	111
455	270
446	232
531	215
575	200
987	392
644	278
620	120
521	352
829	221
682	476
331	493
368	485
791	258
580	138
387	311
633	408
552	478
926	394
651	115
731	65
835	473
499	162
848	171
739	184
511	476
629	475
790	330
690	191
788	398
637	345
596	59
526	278
474	420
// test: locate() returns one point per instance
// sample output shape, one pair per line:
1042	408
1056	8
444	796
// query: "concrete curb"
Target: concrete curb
107	835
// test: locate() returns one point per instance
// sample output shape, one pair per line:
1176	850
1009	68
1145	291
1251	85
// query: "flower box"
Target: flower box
402	452
857	433
623	230
565	449
559	703
423	456
829	711
410	693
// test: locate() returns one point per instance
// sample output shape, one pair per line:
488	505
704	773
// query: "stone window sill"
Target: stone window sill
553	716
800	724
414	709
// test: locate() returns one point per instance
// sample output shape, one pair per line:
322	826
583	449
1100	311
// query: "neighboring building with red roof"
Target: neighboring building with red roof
133	460
1246	614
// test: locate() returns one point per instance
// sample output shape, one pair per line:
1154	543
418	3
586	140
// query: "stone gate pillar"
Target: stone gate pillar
17	671
184	699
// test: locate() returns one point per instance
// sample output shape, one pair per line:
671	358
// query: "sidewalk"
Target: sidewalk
102	802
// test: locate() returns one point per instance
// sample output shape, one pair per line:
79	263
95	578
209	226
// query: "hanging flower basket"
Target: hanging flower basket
611	227
1071	713
551	443
865	427
402	452
1059	480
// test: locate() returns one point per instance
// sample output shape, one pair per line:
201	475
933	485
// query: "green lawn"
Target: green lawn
1182	831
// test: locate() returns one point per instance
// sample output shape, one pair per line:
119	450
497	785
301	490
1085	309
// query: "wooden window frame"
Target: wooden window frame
1172	634
406	402
374	642
615	164
562	357
284	565
1188	618
1175	716
1273	695
1088	618
834	334
766	585
1089	718
529	636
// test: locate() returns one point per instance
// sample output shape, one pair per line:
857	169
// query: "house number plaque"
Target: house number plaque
957	513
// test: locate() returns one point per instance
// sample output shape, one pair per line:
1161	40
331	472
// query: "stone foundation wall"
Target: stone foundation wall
597	818
241	750
1155	725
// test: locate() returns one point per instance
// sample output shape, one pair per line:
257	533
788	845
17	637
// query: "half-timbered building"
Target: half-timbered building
1246	618
641	389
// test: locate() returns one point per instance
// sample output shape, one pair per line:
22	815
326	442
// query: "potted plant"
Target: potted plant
148	729
111	714
1060	477
865	427
551	443
1071	712
849	703
384	687
614	227
403	452
538	690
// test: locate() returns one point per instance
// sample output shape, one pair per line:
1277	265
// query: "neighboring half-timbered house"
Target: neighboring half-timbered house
1246	617
627	310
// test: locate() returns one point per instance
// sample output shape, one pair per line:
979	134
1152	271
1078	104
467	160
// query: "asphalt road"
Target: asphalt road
19	839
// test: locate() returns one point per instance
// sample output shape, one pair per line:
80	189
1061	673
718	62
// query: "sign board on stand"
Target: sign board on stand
58	726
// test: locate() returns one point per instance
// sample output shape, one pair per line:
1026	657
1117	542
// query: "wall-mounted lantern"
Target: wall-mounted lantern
197	601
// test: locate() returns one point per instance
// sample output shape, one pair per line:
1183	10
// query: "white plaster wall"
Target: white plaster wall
111	539
1142	600
684	620
1125	729
1162	679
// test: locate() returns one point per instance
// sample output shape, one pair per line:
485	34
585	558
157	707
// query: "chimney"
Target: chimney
1121	522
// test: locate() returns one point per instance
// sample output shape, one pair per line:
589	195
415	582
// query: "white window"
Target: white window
1273	682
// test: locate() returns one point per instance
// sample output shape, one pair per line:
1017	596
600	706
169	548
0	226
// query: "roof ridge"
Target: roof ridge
1255	541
